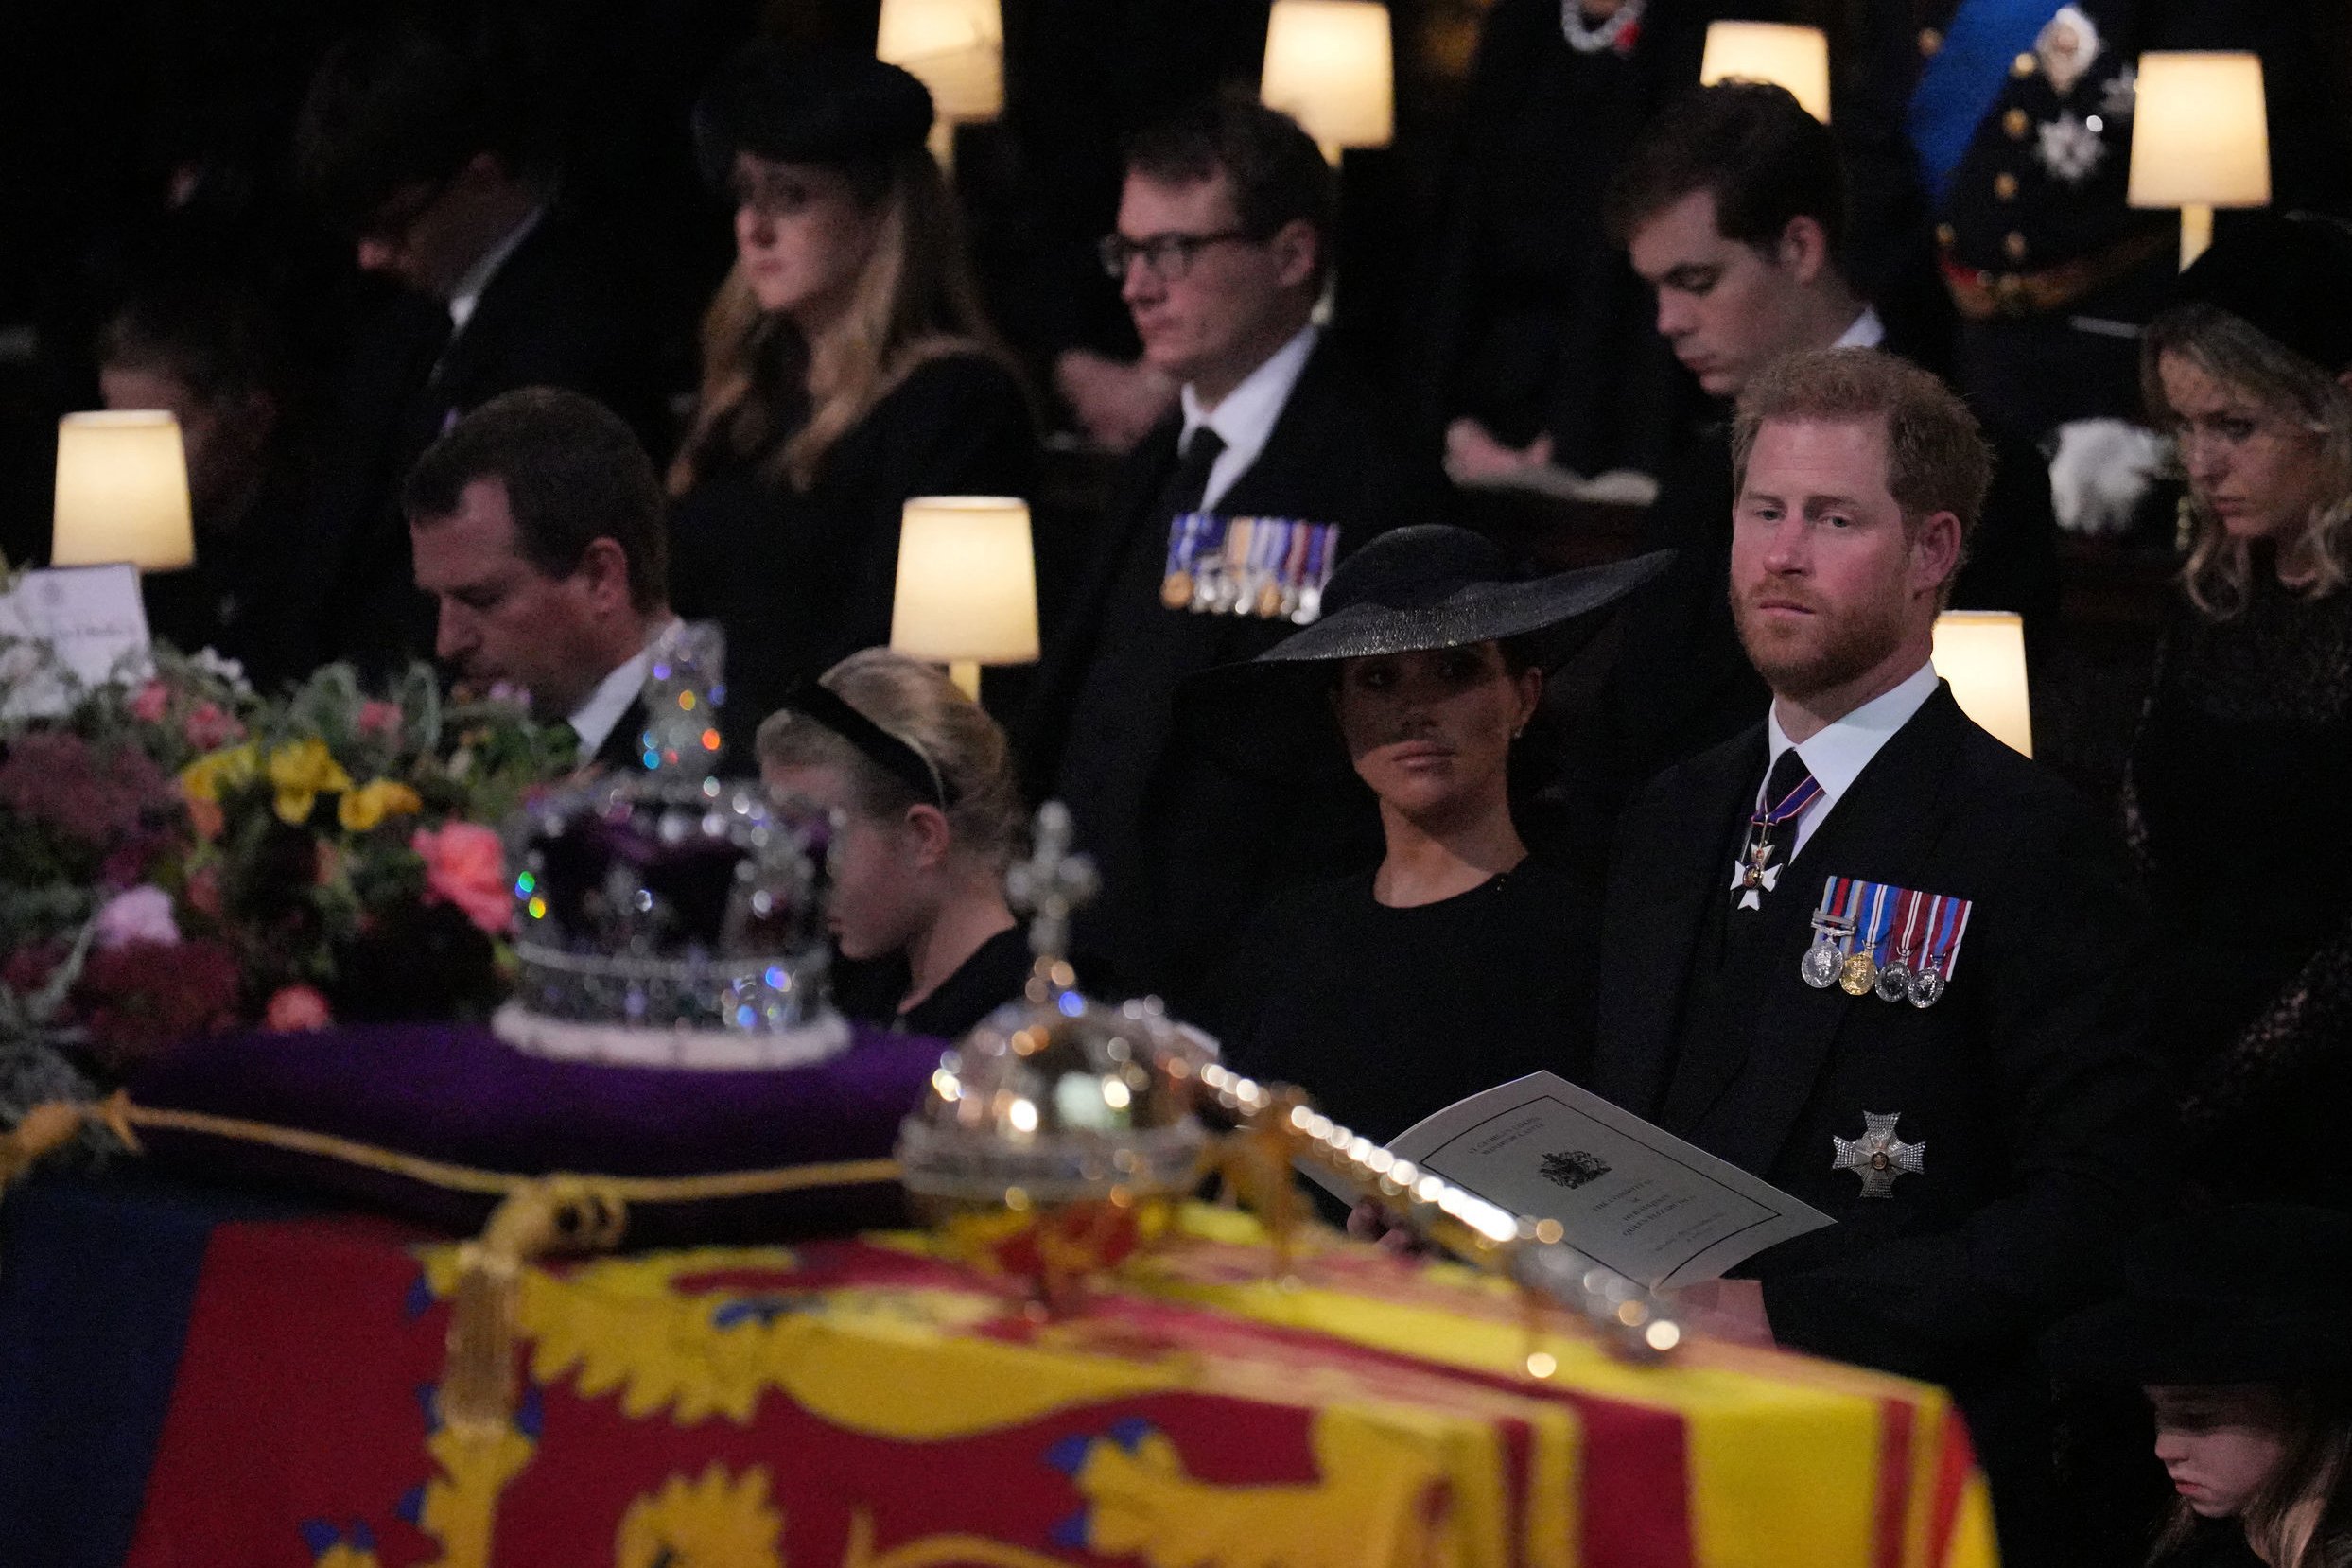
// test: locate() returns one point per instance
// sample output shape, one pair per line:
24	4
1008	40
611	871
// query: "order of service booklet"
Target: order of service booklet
1627	1196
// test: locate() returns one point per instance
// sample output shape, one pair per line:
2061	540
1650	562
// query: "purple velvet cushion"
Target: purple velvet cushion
459	1096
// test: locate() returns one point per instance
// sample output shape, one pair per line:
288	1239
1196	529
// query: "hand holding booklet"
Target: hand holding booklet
1631	1198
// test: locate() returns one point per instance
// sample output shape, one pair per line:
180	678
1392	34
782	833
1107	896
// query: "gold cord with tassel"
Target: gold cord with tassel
557	1214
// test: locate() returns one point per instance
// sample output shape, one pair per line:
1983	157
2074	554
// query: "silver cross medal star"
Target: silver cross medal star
1752	872
1878	1156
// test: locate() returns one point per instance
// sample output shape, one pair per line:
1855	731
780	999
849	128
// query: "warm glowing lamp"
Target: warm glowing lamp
122	491
1982	652
968	585
2199	139
1328	67
954	47
1785	55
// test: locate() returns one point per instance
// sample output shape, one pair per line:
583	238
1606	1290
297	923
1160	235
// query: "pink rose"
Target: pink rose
204	890
466	866
295	1008
379	720
142	914
149	702
209	728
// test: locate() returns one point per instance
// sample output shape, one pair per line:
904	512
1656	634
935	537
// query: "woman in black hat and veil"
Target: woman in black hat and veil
846	368
2242	774
1460	961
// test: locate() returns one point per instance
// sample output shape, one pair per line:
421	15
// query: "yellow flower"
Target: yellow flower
301	771
208	775
371	803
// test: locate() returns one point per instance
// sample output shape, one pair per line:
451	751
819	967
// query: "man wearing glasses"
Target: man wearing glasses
1221	250
432	152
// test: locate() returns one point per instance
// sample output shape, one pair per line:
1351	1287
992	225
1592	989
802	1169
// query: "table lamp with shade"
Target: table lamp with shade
956	50
2199	139
122	491
1982	653
1785	55
1329	66
968	586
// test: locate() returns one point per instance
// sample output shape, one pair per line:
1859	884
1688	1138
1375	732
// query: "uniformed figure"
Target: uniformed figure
2008	124
1867	952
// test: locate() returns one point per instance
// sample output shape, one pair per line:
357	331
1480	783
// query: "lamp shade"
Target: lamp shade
1785	55
122	491
954	47
967	582
1328	67
2201	136
1982	652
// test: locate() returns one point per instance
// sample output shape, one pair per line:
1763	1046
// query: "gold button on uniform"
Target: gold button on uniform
2016	122
1947	234
1930	42
2021	67
2005	186
2014	246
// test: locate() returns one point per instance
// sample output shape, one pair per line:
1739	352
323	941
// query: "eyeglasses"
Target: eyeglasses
1167	257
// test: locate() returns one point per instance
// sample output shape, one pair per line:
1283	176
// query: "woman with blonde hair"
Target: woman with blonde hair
2242	772
845	366
927	814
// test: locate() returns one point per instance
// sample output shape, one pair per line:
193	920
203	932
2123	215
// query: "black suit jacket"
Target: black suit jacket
2044	1116
623	744
566	309
1190	855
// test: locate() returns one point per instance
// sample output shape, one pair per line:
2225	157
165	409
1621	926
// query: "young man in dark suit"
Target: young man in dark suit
540	531
1867	952
1222	245
1732	208
436	152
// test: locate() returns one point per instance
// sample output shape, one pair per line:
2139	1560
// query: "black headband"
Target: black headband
893	756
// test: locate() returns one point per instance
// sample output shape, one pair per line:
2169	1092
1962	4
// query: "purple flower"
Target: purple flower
142	914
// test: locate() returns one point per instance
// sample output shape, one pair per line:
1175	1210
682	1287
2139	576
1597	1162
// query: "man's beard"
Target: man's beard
1840	645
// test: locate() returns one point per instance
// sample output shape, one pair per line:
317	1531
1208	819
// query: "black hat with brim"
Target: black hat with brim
829	106
2252	1293
1416	589
2287	274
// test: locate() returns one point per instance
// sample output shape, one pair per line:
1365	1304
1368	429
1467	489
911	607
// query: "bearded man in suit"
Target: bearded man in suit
1222	248
1867	953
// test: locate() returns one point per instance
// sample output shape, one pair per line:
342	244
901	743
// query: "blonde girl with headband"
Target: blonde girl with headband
929	812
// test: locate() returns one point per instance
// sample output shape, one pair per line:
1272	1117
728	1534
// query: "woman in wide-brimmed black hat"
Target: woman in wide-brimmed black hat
2238	1322
1457	962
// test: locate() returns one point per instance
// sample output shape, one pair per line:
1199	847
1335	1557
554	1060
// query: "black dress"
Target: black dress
799	580
2237	800
870	991
1385	1015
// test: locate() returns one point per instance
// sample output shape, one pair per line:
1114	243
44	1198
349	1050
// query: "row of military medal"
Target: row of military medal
1873	938
1274	569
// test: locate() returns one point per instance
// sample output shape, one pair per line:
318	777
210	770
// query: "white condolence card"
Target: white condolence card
1630	1196
72	625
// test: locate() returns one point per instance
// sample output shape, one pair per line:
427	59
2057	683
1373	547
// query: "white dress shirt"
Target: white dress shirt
594	719
1836	756
1245	418
1868	331
469	291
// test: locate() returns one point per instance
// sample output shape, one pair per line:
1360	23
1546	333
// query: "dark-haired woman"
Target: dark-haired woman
846	369
1460	961
2241	776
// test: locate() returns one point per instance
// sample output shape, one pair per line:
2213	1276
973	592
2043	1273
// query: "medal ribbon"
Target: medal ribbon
1946	928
